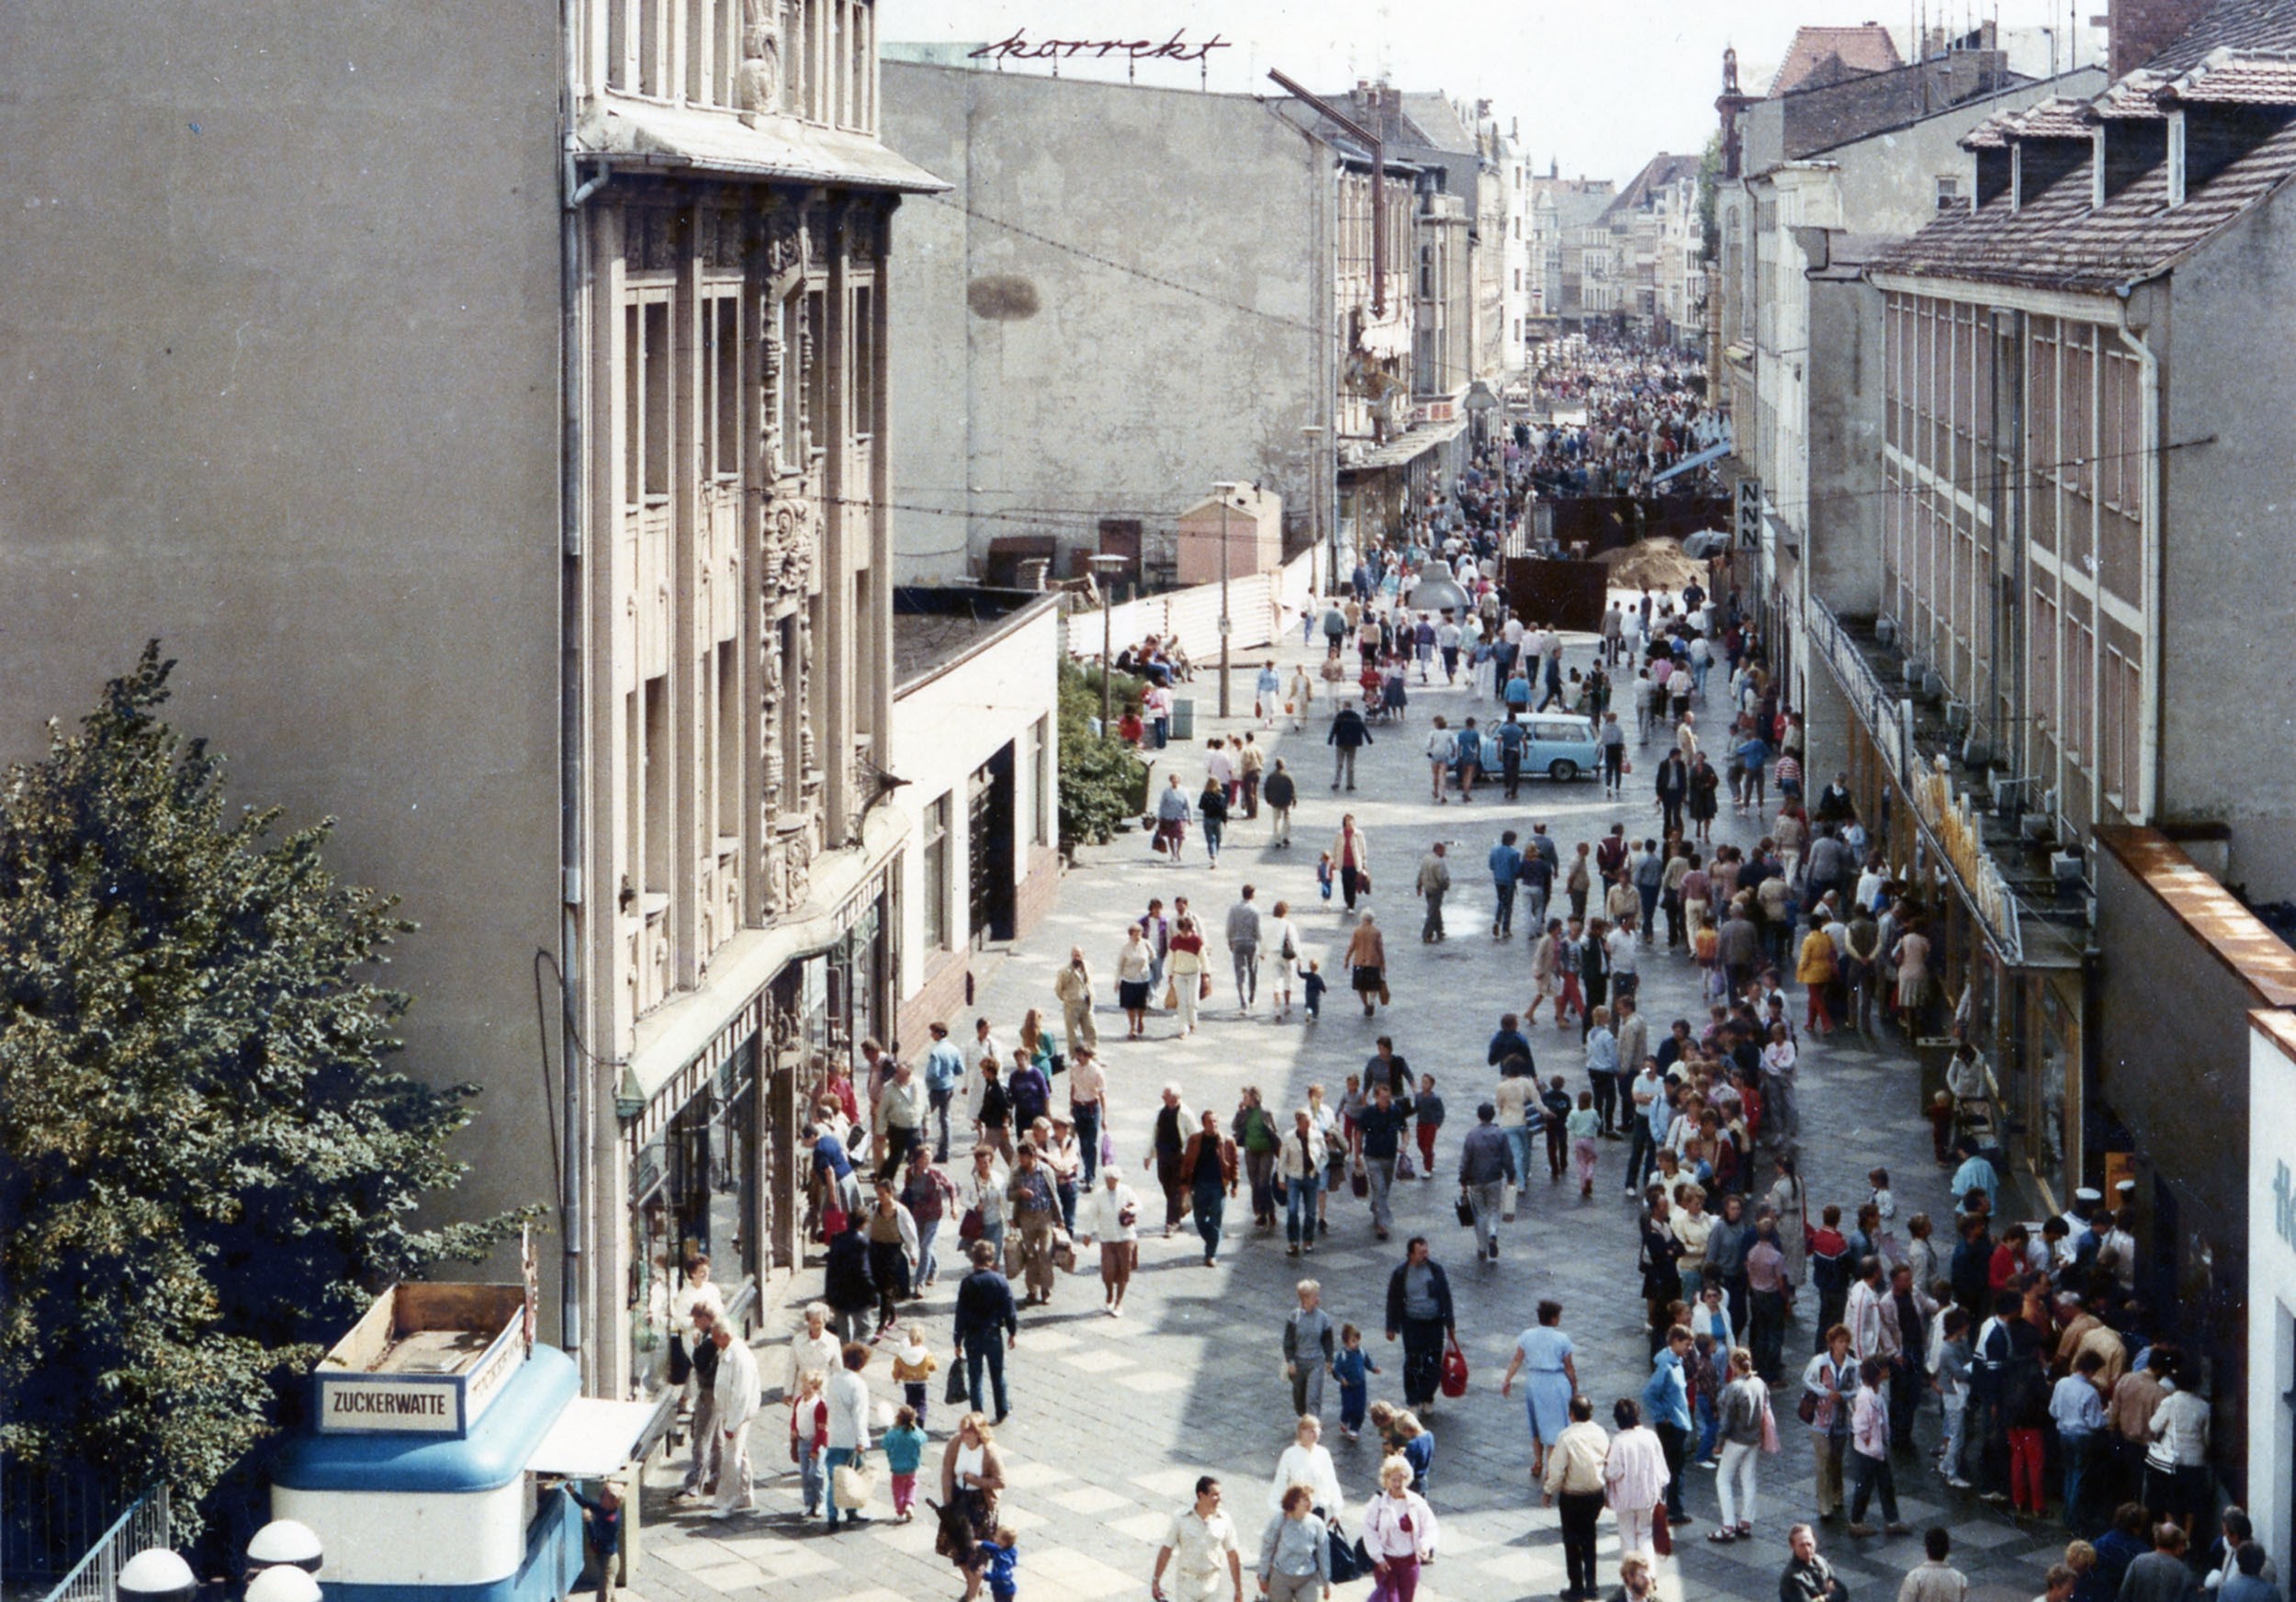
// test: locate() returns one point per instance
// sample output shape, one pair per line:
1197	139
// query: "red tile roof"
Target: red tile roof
1990	134
2131	99
2059	241
2056	117
2237	78
1828	55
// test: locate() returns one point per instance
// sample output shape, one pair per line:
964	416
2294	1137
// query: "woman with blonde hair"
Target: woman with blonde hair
971	1482
1745	1428
1398	1534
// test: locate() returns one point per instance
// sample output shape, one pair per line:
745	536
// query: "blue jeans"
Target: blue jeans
1300	1209
1519	1138
1504	914
928	1265
1642	1156
838	1457
1088	1117
1210	1205
1709	1425
809	1479
987	1347
937	1105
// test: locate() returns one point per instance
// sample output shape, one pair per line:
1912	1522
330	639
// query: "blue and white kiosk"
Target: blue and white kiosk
440	1442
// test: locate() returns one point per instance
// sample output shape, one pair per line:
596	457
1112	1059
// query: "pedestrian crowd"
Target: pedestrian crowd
1769	1312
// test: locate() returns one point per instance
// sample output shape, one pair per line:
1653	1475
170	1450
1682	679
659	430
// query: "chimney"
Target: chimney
2140	30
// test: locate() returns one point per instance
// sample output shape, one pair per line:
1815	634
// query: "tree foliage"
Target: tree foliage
1709	190
205	1171
1102	779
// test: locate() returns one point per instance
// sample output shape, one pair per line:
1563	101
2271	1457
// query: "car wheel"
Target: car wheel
1563	769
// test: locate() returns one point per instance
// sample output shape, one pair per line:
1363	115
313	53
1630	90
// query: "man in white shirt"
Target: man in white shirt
735	1401
899	1118
1201	1551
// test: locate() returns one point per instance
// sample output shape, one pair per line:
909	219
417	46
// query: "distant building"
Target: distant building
1822	56
2008	380
1088	339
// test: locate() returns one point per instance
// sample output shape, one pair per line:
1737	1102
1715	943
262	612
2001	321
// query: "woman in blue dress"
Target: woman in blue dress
1551	1381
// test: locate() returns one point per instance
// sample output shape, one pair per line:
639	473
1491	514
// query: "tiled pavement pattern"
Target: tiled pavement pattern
1114	1419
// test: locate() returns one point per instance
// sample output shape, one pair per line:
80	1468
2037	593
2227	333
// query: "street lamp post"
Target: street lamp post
1223	491
1107	563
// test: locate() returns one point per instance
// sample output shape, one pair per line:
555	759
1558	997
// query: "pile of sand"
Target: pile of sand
1655	564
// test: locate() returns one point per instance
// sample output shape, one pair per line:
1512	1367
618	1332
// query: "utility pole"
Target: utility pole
1107	563
1223	491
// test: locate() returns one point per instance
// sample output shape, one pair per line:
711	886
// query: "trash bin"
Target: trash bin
1183	718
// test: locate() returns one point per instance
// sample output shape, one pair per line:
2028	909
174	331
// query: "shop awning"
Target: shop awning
592	1438
1409	448
1714	453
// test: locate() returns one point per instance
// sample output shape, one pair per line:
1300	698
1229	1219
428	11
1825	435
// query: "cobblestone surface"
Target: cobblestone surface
1114	1419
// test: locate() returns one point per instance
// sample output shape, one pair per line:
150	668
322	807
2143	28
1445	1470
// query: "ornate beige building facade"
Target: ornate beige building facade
734	912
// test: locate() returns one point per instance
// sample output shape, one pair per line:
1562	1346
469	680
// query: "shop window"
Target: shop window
933	870
694	1192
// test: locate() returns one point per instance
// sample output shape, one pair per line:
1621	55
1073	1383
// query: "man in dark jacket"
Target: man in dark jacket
985	1312
1348	734
1486	1169
1808	1577
1419	1310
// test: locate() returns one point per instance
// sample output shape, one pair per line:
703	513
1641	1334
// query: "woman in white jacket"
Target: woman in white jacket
1399	1533
1308	1461
1111	1216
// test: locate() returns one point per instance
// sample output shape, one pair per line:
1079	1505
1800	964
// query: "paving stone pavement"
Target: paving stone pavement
1114	1419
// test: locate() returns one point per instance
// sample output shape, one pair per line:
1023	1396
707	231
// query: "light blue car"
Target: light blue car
1561	746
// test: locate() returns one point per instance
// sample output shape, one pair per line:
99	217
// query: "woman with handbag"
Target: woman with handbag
981	1196
1366	964
850	1481
1747	1431
972	1483
1110	1216
1191	980
1295	1551
1398	1534
1633	1478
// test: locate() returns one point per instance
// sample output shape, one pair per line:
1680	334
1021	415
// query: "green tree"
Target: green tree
1102	779
206	1172
1710	190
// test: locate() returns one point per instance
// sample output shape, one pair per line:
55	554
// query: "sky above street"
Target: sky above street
1599	85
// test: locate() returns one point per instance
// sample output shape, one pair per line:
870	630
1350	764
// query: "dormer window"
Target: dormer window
2176	159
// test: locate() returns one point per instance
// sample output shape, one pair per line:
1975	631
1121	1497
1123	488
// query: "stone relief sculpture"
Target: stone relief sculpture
757	81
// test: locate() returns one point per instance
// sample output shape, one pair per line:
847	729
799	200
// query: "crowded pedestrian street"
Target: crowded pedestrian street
1113	1419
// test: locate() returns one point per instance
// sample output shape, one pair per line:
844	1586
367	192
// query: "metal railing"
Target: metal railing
146	1524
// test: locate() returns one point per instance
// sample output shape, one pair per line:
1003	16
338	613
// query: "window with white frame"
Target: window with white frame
933	874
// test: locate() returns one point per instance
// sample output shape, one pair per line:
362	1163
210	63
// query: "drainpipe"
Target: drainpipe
2020	733
574	1072
2148	759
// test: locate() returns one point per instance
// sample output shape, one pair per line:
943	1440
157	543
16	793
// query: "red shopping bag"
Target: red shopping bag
1454	1371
